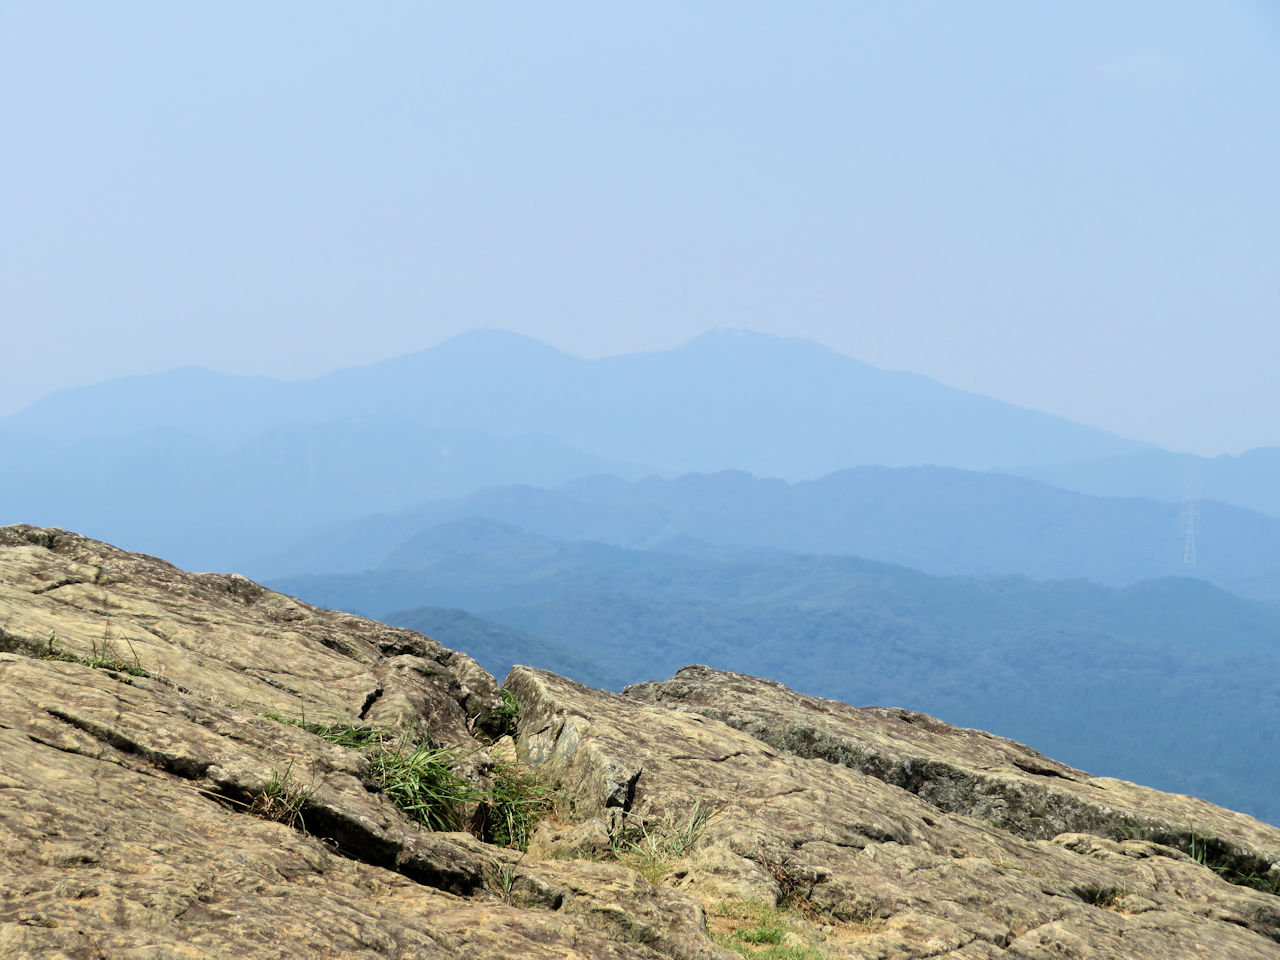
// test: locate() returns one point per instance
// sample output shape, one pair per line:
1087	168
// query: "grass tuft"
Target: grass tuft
650	847
421	780
761	931
104	655
507	716
515	803
1207	852
501	877
282	799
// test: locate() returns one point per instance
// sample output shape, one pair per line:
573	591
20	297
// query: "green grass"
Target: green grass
1108	898
282	799
1202	852
772	952
760	931
515	803
105	654
418	777
421	780
762	934
650	847
501	877
1255	881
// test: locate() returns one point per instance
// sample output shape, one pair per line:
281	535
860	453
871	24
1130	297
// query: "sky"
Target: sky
1069	206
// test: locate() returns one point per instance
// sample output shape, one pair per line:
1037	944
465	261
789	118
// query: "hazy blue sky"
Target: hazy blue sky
1069	205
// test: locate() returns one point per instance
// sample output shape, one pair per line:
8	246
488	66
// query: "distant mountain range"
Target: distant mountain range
197	465
490	408
938	520
1172	681
728	400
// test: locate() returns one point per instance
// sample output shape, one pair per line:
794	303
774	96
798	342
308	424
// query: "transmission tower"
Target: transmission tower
1190	513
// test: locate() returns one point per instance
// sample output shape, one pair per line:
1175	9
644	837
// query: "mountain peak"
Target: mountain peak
743	339
495	339
484	348
775	406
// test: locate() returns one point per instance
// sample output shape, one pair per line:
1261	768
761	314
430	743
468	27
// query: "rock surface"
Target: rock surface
968	771
708	816
889	871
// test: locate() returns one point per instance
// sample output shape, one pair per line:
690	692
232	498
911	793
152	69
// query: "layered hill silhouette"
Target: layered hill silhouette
218	471
773	406
1170	680
938	520
193	765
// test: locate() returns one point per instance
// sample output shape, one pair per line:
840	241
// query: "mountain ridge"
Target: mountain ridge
938	520
719	401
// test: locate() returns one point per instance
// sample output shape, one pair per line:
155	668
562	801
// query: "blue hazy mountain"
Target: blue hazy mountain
1250	479
1172	681
773	406
203	503
933	519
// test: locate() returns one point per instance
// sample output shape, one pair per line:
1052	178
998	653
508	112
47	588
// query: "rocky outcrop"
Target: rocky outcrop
169	787
135	773
880	870
970	772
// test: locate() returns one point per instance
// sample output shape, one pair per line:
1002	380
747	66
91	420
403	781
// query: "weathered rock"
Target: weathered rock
969	771
228	640
137	762
589	840
886	872
125	800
